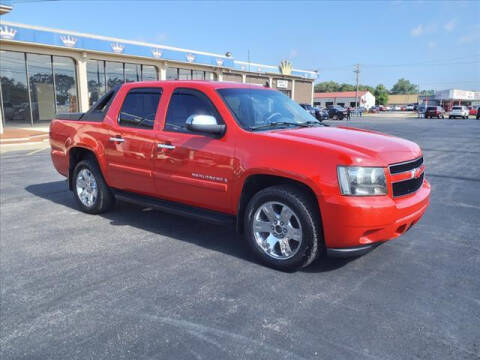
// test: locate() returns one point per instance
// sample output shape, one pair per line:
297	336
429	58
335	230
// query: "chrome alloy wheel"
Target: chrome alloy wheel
277	230
86	186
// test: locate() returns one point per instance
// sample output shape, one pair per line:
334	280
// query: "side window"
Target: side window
187	102
139	108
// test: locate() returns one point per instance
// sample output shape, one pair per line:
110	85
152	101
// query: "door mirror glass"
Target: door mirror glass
205	124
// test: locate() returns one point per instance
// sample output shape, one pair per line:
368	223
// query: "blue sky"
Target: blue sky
435	44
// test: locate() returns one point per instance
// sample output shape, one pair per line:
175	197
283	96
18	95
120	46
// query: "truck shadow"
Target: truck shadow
213	237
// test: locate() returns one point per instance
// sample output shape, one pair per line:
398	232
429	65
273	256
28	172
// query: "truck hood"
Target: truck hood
362	146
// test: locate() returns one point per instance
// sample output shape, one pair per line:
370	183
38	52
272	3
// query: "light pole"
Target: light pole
357	73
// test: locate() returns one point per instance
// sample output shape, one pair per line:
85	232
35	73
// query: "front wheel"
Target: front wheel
89	188
282	226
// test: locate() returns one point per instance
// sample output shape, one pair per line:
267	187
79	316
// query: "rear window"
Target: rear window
432	108
456	108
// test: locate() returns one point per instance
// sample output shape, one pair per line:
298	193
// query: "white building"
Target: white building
344	98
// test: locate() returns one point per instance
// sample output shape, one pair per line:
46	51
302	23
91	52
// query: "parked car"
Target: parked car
396	108
472	110
459	111
409	108
478	113
422	108
435	111
245	155
321	114
336	112
315	112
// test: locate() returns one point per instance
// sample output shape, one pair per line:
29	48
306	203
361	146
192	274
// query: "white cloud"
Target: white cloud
449	26
417	31
432	44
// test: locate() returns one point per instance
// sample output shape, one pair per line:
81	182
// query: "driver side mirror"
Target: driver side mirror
205	124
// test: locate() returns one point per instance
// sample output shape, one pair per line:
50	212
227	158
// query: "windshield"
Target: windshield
259	108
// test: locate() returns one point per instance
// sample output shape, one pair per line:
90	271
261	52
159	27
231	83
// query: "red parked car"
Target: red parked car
237	153
435	111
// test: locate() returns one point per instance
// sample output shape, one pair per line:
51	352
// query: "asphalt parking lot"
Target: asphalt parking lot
139	284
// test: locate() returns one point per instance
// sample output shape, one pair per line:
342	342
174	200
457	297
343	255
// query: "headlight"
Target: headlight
362	181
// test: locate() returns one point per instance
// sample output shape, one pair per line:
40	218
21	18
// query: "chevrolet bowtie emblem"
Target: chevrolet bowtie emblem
415	173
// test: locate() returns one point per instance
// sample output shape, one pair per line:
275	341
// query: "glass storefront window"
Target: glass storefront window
65	84
42	95
198	75
172	73
184	74
95	80
149	73
210	75
114	73
132	72
13	77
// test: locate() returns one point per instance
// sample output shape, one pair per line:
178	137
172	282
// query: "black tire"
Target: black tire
104	200
450	117
340	117
305	208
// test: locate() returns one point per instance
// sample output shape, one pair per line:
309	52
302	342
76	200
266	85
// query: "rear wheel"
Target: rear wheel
89	188
282	227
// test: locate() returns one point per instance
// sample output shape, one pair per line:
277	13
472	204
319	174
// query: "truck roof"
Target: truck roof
204	83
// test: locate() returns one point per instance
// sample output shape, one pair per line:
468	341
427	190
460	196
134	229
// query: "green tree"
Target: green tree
404	86
381	95
327	86
427	92
346	87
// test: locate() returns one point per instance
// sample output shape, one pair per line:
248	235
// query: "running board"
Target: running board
176	208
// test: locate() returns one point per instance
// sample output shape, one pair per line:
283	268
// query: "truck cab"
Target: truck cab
245	155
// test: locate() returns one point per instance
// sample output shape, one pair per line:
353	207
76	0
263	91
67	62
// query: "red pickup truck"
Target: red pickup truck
244	154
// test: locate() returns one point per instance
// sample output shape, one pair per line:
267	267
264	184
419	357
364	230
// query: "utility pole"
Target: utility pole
357	72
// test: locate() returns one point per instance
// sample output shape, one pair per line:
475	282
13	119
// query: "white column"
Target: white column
1	122
270	82
163	72
82	83
244	78
219	76
293	89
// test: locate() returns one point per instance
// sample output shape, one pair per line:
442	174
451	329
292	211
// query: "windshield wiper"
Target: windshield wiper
277	123
313	123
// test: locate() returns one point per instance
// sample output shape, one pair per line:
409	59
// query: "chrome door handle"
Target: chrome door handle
166	146
117	139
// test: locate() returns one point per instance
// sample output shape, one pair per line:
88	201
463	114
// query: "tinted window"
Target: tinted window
42	93
432	108
456	108
65	84
149	73
187	102
13	75
139	108
96	80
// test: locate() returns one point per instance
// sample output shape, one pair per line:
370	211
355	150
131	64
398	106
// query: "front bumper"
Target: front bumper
353	225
